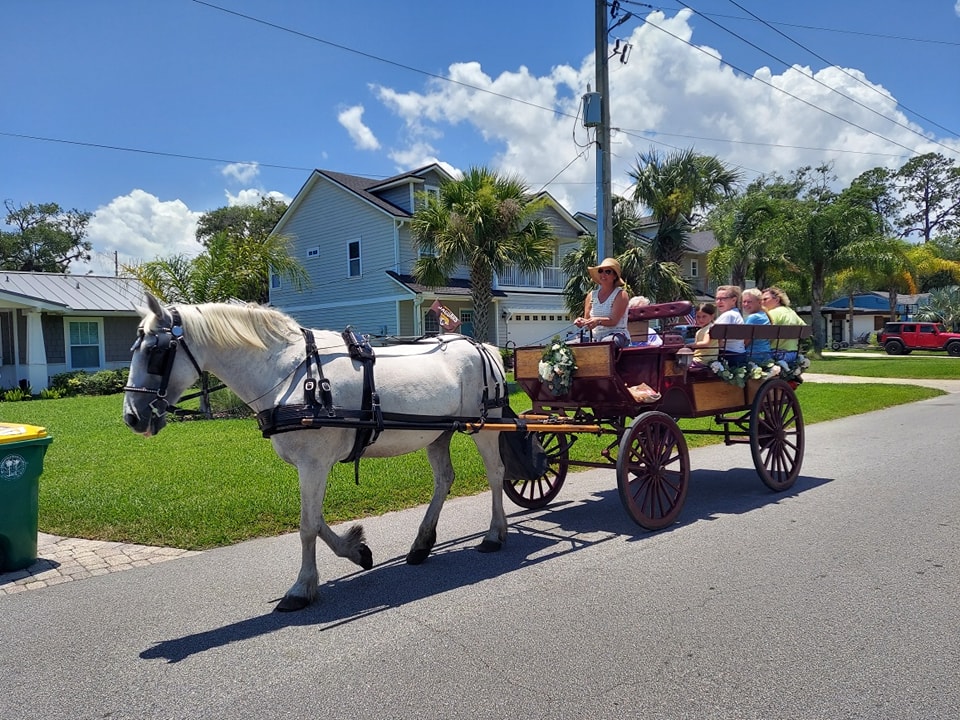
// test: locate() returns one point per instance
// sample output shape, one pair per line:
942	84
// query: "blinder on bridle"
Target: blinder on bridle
160	357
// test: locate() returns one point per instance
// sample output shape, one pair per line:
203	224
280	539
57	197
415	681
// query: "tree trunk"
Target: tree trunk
481	292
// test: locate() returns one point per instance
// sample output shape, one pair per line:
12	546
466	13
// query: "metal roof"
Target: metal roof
70	293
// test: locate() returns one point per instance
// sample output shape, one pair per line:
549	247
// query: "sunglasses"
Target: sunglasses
725	297
607	271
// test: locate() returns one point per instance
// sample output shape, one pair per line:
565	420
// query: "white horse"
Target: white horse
261	355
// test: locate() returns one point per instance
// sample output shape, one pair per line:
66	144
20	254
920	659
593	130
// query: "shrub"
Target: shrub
15	395
80	382
50	394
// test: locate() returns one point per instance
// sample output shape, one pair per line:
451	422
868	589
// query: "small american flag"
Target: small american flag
690	318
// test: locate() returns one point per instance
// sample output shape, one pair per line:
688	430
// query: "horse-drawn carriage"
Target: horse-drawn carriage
295	379
648	448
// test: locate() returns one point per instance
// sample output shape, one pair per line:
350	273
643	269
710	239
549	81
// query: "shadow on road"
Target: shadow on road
536	536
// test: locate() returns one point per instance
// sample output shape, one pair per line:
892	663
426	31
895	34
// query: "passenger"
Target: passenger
705	350
728	299
653	338
777	306
605	308
753	314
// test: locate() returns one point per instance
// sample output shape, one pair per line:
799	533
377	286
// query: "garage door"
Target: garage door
537	327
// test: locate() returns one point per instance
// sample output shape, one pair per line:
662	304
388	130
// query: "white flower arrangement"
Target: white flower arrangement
739	374
557	366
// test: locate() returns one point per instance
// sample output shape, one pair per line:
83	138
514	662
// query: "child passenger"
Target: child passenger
705	350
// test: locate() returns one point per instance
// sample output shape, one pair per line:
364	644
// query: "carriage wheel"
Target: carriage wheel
653	470
533	494
776	434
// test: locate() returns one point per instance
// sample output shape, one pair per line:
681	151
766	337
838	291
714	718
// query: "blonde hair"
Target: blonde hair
732	290
779	294
752	292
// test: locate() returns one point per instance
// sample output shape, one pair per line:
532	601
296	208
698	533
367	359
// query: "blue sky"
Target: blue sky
222	102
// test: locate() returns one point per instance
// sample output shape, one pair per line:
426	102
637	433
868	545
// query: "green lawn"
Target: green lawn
929	366
201	484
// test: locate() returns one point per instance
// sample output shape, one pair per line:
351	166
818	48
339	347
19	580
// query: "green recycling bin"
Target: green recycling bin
22	448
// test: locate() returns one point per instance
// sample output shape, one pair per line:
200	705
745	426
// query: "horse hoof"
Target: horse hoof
366	557
291	603
416	557
488	546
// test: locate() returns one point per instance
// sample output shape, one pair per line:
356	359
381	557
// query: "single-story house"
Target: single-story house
870	311
52	323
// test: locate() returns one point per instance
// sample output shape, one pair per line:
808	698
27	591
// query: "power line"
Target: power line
879	36
849	75
785	92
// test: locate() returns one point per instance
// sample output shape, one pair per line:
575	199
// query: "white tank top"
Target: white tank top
605	309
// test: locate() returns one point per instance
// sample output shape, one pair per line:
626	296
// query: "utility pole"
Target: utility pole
604	197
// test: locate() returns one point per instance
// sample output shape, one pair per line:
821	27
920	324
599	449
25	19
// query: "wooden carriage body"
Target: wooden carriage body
649	450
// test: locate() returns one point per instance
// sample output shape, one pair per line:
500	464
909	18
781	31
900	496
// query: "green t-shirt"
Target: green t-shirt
783	315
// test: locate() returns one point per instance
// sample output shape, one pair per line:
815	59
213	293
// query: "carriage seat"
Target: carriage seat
638	318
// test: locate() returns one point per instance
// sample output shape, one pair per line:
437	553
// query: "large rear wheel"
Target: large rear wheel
653	470
533	494
776	434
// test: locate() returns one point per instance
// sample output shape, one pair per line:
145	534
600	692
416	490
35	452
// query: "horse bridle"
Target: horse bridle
160	359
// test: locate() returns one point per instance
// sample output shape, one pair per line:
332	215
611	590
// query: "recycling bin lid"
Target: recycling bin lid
15	432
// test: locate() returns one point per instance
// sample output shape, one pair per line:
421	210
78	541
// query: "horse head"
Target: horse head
162	368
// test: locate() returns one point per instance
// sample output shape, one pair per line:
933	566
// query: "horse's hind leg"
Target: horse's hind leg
488	443
438	453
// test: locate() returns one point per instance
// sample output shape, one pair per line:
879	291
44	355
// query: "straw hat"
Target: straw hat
607	263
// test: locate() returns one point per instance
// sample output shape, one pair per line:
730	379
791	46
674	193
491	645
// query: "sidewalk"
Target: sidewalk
61	560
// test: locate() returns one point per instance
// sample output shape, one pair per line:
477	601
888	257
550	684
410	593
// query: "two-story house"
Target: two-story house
352	235
693	266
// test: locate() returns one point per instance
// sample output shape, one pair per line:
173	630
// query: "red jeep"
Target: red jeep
901	338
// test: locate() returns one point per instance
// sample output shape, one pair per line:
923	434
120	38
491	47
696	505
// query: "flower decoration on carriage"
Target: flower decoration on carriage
739	374
557	365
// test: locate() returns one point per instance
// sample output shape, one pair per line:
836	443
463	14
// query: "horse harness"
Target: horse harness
160	357
318	409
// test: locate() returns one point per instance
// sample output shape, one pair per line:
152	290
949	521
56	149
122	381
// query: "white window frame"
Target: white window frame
358	259
313	252
276	282
694	267
68	346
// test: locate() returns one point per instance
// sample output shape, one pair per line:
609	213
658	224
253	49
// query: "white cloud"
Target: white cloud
363	138
252	196
241	172
668	86
956	8
139	227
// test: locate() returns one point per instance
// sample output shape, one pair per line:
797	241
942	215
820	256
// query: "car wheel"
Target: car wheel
894	347
954	349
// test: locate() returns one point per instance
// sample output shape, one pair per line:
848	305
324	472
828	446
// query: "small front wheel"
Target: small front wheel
776	434
653	470
533	494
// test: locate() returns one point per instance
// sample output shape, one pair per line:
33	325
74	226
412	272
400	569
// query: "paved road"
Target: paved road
835	600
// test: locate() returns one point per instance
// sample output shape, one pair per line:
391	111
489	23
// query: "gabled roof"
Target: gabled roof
363	188
95	294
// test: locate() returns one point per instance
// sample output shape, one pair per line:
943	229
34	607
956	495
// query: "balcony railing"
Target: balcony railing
549	277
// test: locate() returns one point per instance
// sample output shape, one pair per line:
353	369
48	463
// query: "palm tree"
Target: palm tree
486	222
944	307
230	267
674	187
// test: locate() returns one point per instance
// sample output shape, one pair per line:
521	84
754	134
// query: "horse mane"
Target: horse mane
236	325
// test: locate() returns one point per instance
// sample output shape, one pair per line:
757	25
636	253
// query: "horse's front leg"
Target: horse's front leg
488	443
438	453
313	483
